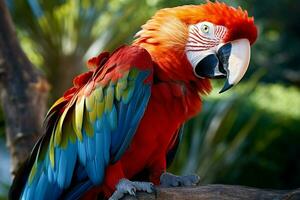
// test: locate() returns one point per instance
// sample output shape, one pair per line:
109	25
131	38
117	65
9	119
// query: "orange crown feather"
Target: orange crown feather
235	20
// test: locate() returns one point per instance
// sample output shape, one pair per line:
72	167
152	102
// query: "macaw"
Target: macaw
117	129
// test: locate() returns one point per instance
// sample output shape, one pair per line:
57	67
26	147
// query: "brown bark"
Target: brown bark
23	93
220	192
61	77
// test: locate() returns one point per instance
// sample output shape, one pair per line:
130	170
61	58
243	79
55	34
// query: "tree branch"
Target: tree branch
220	192
23	93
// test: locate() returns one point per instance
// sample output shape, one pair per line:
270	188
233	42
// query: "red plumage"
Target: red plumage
175	94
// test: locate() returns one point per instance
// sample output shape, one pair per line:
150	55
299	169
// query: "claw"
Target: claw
132	191
131	187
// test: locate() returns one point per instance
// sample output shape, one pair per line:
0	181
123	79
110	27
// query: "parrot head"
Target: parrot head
195	43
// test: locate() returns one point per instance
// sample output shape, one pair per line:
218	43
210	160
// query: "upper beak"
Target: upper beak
231	61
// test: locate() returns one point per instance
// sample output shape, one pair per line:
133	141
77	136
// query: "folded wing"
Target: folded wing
90	127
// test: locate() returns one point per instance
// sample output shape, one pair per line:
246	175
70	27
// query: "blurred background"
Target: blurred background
248	136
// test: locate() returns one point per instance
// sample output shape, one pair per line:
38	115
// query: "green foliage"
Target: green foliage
239	138
61	28
4	187
59	35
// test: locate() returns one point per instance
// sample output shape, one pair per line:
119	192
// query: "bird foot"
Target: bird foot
171	180
126	186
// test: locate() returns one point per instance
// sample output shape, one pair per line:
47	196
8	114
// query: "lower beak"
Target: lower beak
230	61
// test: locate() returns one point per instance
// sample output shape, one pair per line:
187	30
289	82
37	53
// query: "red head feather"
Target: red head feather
166	34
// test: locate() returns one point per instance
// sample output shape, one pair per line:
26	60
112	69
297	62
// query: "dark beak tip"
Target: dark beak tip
226	87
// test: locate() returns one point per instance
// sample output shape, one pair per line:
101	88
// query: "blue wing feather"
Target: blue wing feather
112	132
130	115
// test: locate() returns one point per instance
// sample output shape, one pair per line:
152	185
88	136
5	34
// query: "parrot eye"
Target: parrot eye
205	28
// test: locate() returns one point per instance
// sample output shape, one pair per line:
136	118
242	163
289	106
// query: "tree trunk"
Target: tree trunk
23	93
61	76
220	192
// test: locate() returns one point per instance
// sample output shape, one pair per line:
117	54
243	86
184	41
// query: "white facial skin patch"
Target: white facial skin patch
203	40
